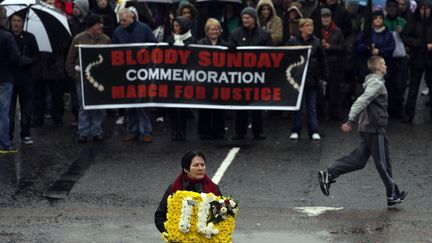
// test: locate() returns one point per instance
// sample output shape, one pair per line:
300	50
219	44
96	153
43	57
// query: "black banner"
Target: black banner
158	75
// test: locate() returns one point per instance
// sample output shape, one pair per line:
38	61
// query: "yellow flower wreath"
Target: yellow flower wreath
173	233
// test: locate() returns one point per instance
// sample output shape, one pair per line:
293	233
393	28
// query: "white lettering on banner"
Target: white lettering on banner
183	75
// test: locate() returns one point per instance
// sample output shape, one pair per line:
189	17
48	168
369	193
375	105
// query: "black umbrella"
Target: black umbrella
49	26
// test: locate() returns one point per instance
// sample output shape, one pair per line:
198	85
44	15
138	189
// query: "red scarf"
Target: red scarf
209	186
327	32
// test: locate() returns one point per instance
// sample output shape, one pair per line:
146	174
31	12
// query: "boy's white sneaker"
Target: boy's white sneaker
316	136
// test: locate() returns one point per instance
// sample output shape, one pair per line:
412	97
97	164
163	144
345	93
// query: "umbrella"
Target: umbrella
49	26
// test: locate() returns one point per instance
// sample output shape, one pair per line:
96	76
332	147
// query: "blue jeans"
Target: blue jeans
139	122
309	105
89	121
5	100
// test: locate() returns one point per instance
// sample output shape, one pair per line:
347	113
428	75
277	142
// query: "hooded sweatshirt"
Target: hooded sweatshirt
83	6
273	24
370	108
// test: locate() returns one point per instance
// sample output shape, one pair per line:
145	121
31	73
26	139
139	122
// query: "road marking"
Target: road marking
315	211
225	164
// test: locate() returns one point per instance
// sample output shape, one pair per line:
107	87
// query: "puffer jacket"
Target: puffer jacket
370	108
250	37
318	67
273	24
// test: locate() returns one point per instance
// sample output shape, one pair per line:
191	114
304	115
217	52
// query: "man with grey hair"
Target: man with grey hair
9	57
134	31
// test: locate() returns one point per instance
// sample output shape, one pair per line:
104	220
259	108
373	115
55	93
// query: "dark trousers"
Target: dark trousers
396	85
374	144
211	123
416	75
241	122
56	87
334	91
178	117
23	92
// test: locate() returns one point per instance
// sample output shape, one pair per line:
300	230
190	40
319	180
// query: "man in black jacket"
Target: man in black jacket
23	81
417	37
9	57
249	34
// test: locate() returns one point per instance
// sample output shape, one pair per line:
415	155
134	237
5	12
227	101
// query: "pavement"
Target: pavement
60	191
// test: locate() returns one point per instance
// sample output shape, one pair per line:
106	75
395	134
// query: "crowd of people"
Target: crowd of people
343	36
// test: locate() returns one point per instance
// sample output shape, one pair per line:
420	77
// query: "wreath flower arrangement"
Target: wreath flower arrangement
195	217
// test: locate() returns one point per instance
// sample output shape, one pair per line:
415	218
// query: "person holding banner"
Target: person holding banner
181	35
249	34
193	177
211	122
133	31
89	121
317	70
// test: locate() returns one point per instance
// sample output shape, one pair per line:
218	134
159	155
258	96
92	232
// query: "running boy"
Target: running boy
369	111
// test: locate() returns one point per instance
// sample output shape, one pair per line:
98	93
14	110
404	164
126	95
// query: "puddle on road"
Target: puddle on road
264	237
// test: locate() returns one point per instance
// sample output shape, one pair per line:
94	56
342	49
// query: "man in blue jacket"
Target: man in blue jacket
132	31
9	57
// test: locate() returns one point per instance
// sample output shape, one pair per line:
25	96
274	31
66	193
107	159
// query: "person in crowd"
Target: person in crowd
380	43
50	81
290	21
77	20
110	19
340	17
317	70
268	19
398	63
89	121
369	112
181	35
350	59
404	9
333	44
133	31
188	10
417	36
229	19
309	7
249	34
211	122
9	58
249	3
193	177
143	12
23	80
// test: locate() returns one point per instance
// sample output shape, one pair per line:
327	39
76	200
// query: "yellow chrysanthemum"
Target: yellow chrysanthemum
173	234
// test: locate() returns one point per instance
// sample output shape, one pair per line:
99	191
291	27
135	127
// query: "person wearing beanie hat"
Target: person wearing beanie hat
93	19
417	37
89	121
248	34
333	44
251	12
9	56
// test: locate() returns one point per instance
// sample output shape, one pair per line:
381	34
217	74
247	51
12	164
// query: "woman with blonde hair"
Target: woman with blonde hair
211	122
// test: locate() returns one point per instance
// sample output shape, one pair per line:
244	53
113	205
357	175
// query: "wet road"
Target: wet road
59	191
